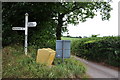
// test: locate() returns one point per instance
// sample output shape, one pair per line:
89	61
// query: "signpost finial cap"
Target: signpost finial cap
26	14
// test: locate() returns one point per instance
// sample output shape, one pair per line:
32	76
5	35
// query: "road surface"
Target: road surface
99	71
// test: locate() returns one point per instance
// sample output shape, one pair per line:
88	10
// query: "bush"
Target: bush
105	49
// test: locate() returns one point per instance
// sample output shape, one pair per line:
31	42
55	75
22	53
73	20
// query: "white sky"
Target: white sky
96	25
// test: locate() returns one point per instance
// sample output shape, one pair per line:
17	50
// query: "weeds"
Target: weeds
17	65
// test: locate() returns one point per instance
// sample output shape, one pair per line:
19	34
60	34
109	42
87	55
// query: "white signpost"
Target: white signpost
18	28
32	24
27	24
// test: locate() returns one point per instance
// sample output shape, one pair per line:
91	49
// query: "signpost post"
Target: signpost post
62	51
27	24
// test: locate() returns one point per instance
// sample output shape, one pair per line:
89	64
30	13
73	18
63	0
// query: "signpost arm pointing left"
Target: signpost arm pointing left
26	32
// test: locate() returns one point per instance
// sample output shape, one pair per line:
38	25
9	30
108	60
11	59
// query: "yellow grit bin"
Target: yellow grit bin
45	56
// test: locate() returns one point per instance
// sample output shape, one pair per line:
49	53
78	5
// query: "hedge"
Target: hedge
99	49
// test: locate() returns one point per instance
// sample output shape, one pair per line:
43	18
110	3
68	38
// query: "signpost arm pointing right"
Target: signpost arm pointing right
26	32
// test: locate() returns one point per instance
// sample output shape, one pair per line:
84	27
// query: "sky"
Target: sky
96	26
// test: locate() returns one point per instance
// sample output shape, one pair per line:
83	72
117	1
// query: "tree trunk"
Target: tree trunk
59	26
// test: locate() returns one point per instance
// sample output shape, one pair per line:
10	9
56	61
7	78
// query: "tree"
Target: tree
52	18
95	35
13	15
73	12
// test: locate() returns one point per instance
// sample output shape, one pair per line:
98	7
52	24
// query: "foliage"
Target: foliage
52	19
75	12
13	15
94	35
104	49
17	65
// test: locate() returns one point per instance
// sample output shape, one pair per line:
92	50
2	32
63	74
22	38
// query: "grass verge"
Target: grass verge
17	65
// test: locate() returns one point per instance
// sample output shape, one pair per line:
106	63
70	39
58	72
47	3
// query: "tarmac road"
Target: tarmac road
99	71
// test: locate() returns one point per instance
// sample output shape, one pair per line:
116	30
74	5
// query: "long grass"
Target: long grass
17	65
